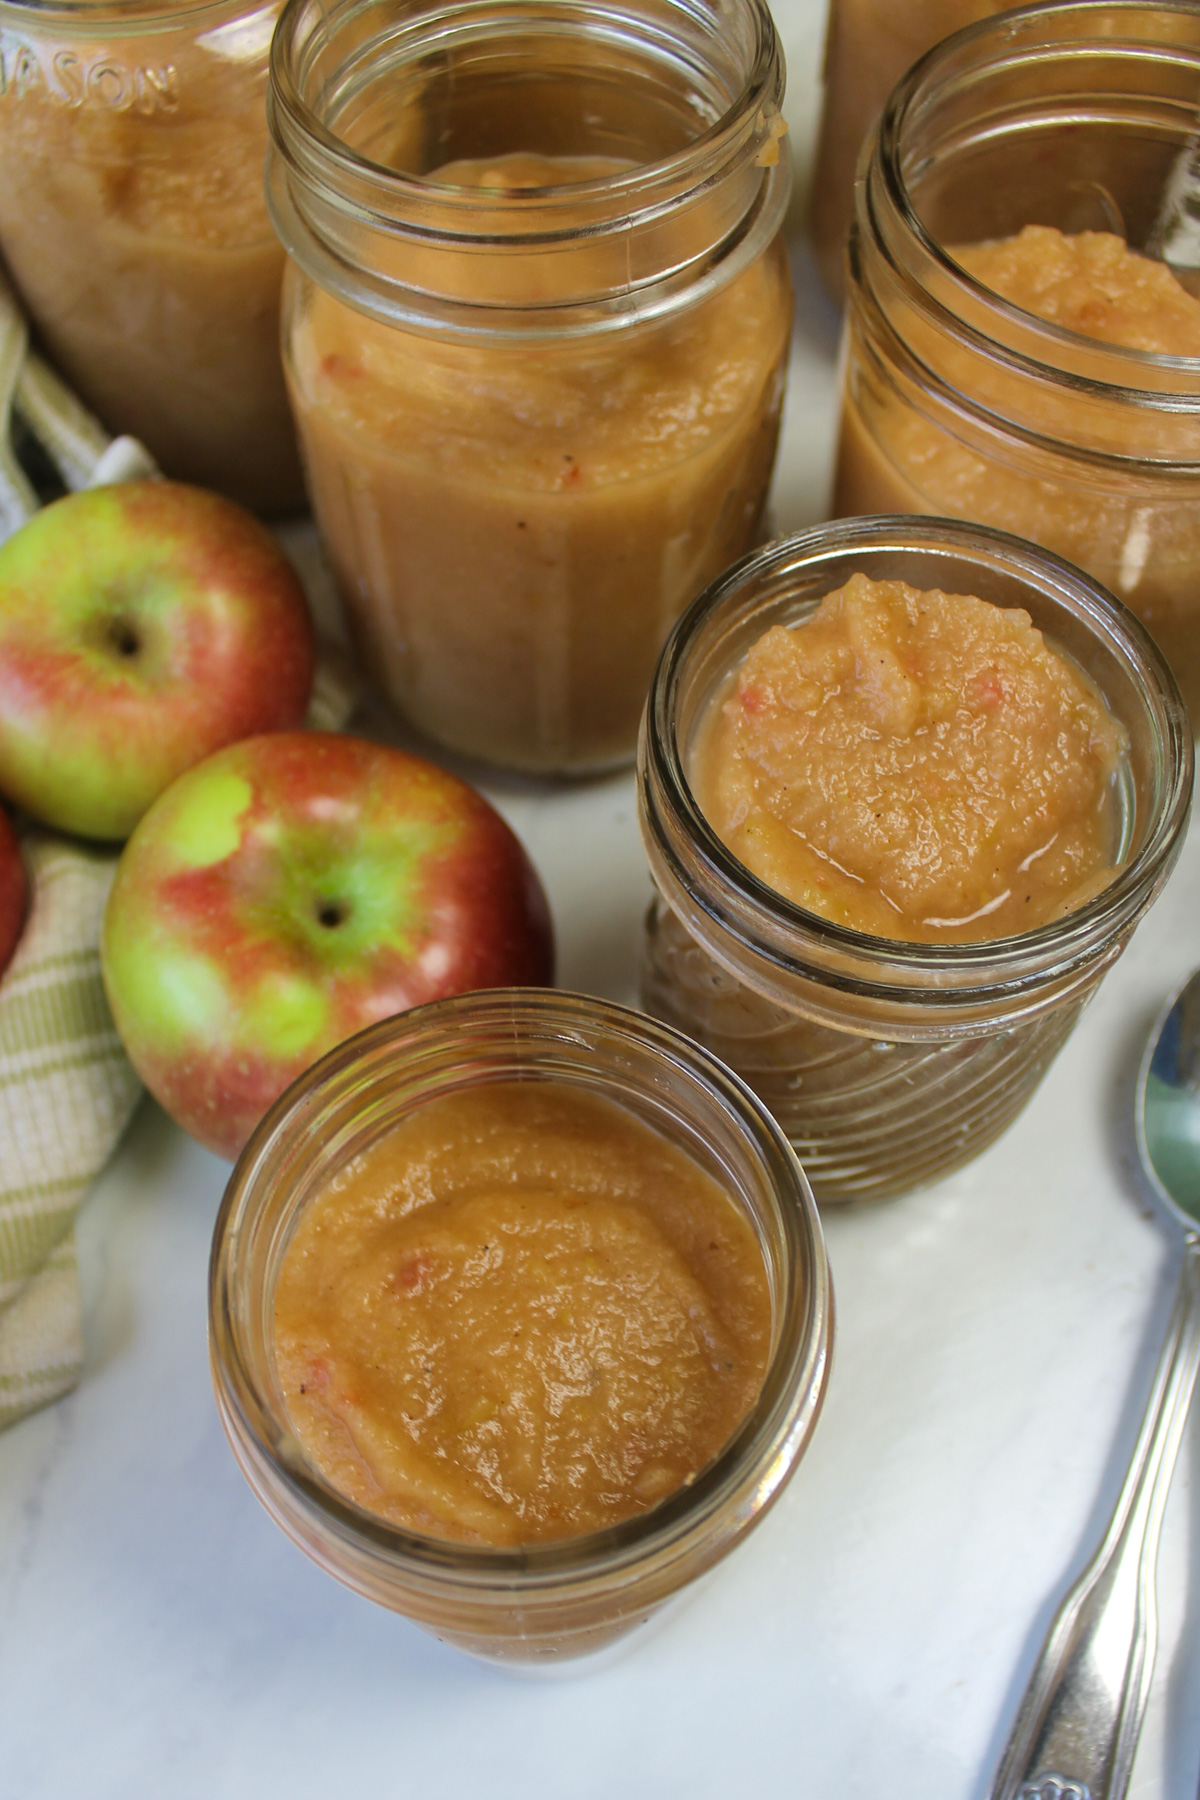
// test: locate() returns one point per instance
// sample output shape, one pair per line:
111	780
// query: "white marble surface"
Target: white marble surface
160	1638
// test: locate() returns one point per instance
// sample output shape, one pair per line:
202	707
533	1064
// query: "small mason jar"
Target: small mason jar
890	1063
868	46
543	1601
536	324
957	401
133	220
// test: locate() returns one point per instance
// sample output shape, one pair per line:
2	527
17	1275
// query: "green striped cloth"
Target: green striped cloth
67	1091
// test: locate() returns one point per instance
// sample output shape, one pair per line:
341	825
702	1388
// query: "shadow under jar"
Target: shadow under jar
545	1600
536	326
956	400
133	220
888	1063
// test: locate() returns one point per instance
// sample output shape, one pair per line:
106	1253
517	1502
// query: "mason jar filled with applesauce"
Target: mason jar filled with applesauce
535	1600
536	323
891	1062
868	46
133	221
1017	351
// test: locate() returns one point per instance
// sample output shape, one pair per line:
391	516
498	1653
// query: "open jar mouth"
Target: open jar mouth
350	1098
369	99
1112	71
784	584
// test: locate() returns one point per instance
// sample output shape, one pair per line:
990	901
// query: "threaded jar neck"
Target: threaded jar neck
670	114
1070	115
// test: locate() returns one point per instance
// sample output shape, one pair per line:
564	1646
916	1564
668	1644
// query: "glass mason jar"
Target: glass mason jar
868	46
542	1601
890	1063
536	327
956	401
133	220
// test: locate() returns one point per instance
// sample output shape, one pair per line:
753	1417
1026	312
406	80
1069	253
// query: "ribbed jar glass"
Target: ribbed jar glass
889	1063
133	220
956	400
536	328
544	1601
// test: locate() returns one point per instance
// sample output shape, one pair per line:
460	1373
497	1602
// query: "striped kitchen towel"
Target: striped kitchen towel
67	1091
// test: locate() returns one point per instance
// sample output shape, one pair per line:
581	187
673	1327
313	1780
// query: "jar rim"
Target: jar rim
320	185
130	15
1001	40
754	914
784	1412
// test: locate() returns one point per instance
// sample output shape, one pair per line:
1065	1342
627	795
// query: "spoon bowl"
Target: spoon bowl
1167	1113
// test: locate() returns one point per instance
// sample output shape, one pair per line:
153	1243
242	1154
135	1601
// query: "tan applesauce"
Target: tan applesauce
133	220
515	525
1134	533
522	1314
868	46
917	765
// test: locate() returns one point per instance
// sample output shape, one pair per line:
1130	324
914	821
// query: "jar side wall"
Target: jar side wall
870	44
869	1118
133	220
515	528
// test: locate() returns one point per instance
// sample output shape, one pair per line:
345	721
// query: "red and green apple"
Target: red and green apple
142	626
288	892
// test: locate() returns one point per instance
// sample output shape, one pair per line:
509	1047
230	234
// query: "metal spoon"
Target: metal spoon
1078	1723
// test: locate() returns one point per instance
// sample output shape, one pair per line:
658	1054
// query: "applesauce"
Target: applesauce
905	788
651	1216
915	765
868	46
519	1315
1014	355
133	220
541	411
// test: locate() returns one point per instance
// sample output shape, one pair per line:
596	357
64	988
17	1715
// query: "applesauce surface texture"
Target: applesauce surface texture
520	1315
919	766
1091	283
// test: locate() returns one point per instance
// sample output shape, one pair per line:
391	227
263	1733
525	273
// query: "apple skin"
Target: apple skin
290	891
14	891
142	626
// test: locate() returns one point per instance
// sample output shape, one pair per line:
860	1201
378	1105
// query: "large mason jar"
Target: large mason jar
536	325
133	220
868	46
888	1062
957	400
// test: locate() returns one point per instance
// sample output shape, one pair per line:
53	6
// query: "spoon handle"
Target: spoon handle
1078	1724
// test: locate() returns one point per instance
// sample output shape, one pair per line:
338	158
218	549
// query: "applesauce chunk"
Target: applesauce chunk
919	766
520	1315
